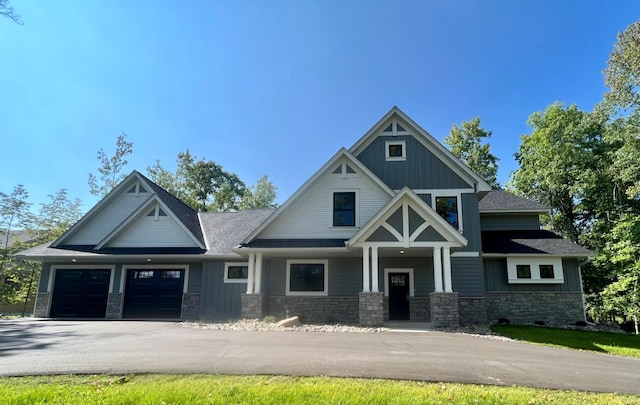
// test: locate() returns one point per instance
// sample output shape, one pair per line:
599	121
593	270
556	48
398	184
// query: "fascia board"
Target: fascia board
503	255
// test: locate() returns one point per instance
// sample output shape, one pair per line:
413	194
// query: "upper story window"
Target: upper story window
344	208
395	150
447	208
535	270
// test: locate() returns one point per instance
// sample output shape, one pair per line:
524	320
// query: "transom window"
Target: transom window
344	208
447	208
307	277
535	270
236	272
395	150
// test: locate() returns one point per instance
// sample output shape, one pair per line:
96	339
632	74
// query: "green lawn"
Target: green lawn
208	389
621	344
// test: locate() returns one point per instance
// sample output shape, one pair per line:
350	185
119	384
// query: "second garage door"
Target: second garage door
153	293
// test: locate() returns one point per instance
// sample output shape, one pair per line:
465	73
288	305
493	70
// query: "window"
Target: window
170	274
143	274
235	272
535	270
395	150
344	208
523	271
447	208
307	277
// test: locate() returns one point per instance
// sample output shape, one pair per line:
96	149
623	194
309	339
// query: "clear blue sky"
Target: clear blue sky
277	87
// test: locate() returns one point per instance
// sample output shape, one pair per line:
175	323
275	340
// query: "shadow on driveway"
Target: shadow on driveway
17	336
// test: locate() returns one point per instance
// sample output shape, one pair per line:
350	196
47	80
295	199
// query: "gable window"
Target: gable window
535	270
395	150
447	208
236	272
344	208
306	277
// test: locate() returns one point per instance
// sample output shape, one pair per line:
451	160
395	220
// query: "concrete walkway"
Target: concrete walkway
29	347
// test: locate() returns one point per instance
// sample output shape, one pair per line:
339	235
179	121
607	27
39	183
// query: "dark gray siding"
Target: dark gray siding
422	272
345	276
195	278
277	276
496	278
467	276
509	222
43	282
220	300
117	279
421	170
471	222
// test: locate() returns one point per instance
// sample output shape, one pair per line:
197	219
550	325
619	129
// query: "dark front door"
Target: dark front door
80	293
153	293
399	309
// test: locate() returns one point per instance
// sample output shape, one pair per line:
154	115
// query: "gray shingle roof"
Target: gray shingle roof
500	200
530	242
225	230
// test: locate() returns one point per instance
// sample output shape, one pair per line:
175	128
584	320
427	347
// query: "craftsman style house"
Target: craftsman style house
394	228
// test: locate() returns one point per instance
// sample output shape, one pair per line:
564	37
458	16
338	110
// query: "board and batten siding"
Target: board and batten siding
421	169
471	222
496	278
467	278
509	222
151	232
107	219
219	300
311	214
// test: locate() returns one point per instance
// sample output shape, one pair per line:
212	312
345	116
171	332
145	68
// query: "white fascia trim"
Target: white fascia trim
204	235
325	168
465	254
541	255
75	266
93	211
185	267
401	245
324	293
234	280
398	270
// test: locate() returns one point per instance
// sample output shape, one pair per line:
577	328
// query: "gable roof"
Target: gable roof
429	142
342	153
226	230
500	201
530	242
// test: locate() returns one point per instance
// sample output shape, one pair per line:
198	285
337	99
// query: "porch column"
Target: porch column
258	273
365	269
437	269
251	271
446	253
374	269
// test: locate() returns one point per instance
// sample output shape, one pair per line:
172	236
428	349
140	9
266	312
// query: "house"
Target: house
393	228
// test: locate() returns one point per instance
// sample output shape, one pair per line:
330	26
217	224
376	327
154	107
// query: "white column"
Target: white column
365	269
250	276
446	256
437	269
374	269
258	274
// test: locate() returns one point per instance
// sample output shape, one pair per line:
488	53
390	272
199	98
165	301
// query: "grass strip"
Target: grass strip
621	344
216	389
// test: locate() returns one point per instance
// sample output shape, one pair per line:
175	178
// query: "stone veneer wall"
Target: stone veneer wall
420	309
472	310
114	306
253	306
371	308
190	306
316	309
522	307
41	309
444	309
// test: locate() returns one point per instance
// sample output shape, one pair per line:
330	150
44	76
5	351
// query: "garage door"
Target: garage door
80	293
153	293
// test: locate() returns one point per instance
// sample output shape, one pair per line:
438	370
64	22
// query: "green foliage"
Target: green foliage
111	169
622	74
465	142
262	195
218	389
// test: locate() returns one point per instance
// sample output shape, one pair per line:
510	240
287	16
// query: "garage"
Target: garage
153	293
80	293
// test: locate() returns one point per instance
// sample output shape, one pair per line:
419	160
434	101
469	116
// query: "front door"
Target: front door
399	309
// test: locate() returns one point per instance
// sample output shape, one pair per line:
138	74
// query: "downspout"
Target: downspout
580	264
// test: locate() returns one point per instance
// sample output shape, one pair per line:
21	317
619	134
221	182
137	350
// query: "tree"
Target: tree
622	74
7	11
55	217
262	195
465	142
110	171
202	184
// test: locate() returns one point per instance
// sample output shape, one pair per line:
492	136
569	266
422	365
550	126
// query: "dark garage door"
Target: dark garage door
153	293
80	293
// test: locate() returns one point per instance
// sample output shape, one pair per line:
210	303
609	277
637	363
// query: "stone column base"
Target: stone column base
41	308
444	309
253	306
371	308
190	306
114	306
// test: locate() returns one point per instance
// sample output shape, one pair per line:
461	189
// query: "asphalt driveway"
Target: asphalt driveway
29	347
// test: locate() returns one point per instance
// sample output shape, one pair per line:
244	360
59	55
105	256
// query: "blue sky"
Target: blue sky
277	87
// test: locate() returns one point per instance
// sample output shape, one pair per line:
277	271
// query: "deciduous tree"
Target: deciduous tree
111	169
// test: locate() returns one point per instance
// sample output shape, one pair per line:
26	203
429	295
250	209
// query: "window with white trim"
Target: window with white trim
344	208
395	150
535	270
307	277
236	272
447	208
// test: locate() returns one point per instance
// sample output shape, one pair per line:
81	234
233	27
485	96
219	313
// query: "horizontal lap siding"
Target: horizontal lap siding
507	222
496	278
467	276
220	300
147	231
